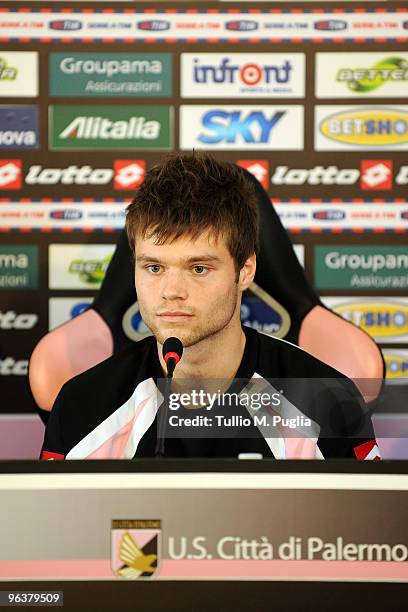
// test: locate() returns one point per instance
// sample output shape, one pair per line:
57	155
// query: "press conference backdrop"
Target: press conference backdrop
309	97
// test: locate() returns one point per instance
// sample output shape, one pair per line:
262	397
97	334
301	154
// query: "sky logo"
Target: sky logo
228	127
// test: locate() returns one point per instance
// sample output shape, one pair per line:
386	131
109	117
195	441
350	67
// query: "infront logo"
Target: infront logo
10	173
376	174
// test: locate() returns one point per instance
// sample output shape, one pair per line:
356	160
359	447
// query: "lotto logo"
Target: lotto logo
376	174
129	173
10	173
259	168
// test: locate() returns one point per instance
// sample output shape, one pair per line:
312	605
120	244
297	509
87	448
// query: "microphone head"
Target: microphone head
172	348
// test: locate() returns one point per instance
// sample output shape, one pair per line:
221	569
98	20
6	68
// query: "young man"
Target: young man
193	229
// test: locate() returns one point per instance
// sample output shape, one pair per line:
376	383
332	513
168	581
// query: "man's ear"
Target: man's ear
247	273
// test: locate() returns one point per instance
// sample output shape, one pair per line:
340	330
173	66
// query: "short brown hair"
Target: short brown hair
192	193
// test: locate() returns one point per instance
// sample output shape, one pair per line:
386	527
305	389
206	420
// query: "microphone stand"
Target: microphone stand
164	409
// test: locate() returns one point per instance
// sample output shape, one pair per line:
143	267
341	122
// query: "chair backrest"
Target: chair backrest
95	334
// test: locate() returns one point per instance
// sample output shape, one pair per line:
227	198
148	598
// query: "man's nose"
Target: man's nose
174	286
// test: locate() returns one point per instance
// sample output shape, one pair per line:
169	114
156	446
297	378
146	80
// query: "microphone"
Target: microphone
172	352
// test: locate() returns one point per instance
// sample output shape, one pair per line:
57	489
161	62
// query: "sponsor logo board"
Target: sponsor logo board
181	25
347	215
396	365
351	75
241	127
61	310
361	267
110	127
110	74
354	128
19	127
237	75
18	74
78	266
10	174
383	318
18	266
37	215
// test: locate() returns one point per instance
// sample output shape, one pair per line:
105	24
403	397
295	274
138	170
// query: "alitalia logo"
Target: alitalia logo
87	128
110	127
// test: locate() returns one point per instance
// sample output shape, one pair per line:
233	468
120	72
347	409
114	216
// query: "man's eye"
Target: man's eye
200	270
154	268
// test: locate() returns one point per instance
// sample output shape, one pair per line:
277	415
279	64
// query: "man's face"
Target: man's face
186	288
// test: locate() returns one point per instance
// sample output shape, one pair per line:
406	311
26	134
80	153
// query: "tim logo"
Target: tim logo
155	25
329	215
331	25
242	25
136	548
66	214
65	24
376	174
404	215
10	174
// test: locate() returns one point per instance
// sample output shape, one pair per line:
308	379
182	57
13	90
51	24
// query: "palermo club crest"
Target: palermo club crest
136	546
